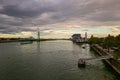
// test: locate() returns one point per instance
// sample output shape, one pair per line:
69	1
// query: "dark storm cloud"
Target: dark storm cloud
13	10
8	30
13	30
16	11
26	13
62	8
10	21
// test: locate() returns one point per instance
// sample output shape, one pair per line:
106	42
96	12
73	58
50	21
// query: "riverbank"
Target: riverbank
8	41
114	63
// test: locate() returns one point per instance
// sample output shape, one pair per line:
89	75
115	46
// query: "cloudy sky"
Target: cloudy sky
59	18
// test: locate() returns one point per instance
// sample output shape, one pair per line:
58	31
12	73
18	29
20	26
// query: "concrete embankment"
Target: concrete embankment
115	64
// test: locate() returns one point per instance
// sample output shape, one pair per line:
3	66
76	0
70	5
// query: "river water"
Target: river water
50	60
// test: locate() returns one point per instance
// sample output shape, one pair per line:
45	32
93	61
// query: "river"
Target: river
50	60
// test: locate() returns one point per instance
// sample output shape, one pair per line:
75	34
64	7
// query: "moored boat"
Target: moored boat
81	63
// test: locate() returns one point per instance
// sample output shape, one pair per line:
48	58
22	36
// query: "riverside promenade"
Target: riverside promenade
114	63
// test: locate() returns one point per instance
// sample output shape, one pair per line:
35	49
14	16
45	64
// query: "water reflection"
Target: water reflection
49	60
38	46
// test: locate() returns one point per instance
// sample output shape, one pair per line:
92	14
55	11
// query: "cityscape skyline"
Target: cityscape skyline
59	18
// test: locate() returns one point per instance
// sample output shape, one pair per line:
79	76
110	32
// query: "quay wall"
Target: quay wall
115	64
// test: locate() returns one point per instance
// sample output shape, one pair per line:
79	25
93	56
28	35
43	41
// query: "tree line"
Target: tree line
106	42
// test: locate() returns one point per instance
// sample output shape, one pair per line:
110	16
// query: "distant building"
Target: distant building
31	38
78	38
